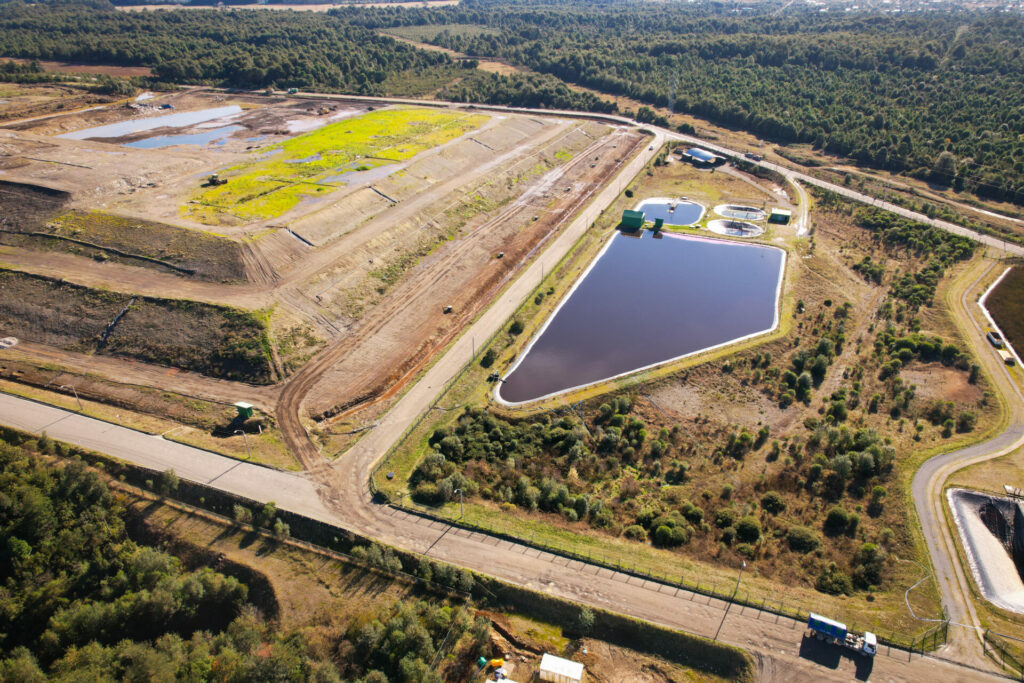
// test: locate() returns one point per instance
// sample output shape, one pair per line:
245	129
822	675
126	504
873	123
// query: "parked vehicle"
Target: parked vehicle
995	339
833	631
1006	356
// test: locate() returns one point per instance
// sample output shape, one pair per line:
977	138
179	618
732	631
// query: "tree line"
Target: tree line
934	95
81	600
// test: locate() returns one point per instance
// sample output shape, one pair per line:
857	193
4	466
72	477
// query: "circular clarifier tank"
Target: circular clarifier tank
735	228
741	212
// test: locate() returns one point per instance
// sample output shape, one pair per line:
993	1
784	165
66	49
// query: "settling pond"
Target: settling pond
681	212
644	301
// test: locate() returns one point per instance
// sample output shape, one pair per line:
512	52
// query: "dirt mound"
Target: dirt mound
213	340
26	206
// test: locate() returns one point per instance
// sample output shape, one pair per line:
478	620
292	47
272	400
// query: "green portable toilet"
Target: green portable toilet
659	223
244	410
632	220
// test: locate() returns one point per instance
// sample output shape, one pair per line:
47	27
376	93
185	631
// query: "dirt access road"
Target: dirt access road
665	133
416	302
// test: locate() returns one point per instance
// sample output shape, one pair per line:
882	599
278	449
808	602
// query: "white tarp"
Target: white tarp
558	670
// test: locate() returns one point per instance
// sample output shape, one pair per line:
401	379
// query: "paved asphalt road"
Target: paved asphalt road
929	480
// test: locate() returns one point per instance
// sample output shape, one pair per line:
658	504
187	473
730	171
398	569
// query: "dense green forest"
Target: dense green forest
937	95
247	49
81	601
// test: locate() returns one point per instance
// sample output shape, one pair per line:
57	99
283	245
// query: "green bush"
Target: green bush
772	502
748	529
836	521
833	581
801	539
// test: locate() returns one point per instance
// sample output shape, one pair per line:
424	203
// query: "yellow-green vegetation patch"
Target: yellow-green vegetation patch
282	175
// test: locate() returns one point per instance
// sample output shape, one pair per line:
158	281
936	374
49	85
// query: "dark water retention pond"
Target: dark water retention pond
645	301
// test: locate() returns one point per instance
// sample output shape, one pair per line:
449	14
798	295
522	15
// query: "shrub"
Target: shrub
516	327
833	581
748	529
585	621
725	517
772	502
635	532
836	521
668	536
965	421
728	535
488	358
426	492
692	513
801	539
746	550
867	562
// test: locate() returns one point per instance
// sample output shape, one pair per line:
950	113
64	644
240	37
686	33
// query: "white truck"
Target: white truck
832	631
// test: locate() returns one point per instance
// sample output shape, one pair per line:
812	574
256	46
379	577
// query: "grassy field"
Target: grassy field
1006	304
281	176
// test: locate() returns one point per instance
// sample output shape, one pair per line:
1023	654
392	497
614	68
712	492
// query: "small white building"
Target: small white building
558	670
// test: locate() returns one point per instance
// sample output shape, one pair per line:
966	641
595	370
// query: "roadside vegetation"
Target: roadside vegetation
83	600
104	581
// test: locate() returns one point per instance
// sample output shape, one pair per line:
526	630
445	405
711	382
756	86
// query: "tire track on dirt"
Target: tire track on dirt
410	295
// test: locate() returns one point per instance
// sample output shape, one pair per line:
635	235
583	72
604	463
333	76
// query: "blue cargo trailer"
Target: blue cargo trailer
835	632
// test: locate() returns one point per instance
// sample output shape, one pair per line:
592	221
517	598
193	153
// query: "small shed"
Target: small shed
632	220
244	410
781	216
558	670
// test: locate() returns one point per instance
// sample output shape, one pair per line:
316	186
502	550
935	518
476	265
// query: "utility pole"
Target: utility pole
80	408
246	439
734	592
462	511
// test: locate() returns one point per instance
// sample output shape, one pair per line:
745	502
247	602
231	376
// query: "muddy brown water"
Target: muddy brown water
644	301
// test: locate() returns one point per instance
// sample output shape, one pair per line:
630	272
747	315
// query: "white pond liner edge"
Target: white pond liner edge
991	320
677	200
996	577
583	276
